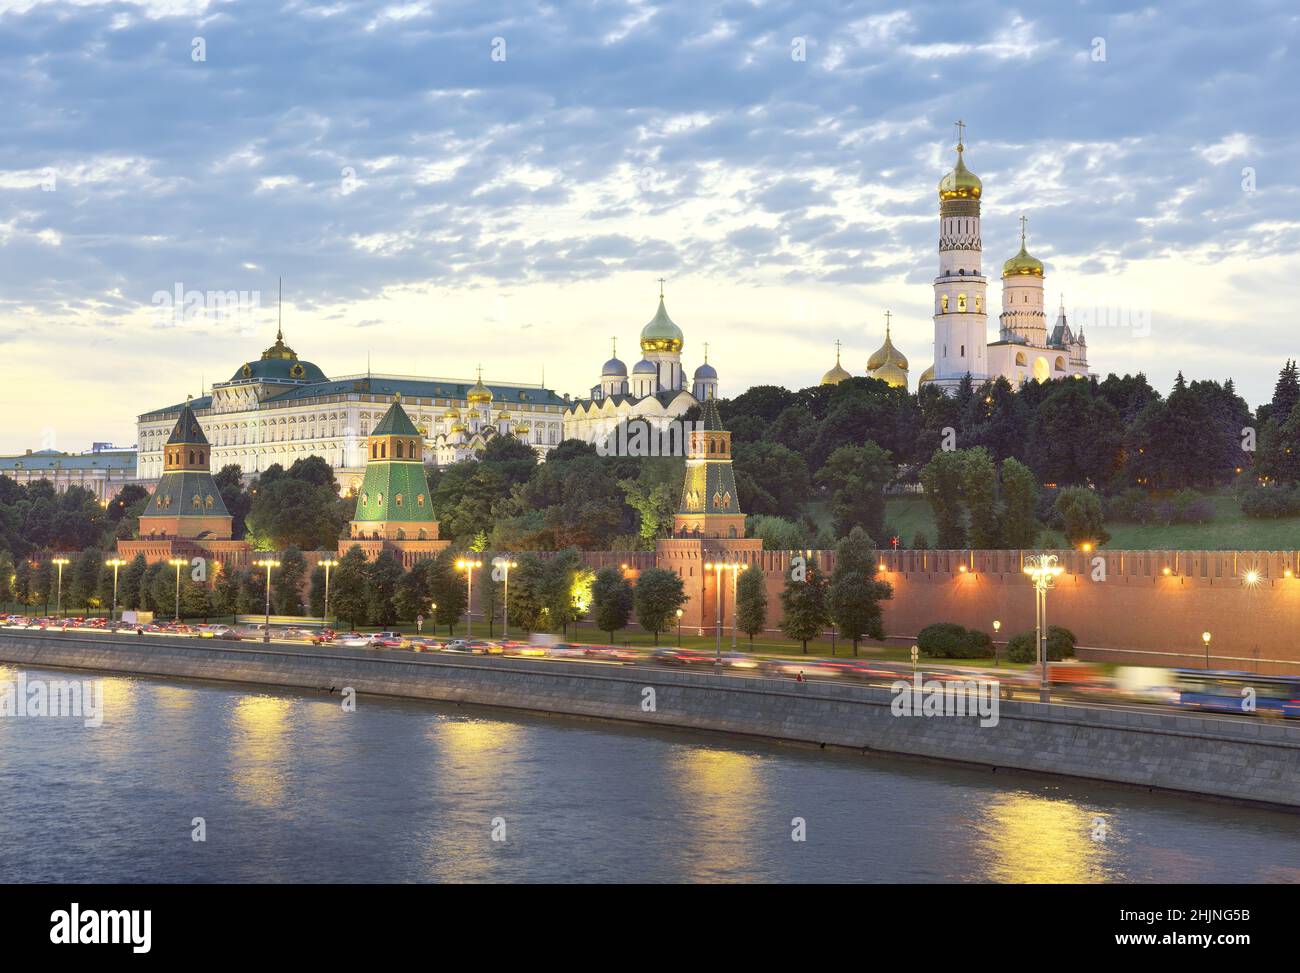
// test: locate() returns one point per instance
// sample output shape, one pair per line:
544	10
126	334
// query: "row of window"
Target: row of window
397	500
961	303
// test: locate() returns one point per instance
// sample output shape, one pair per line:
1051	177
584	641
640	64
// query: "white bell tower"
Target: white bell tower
960	299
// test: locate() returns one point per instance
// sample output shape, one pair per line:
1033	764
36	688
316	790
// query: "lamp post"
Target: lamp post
718	567
267	563
1205	637
114	563
1043	571
679	628
997	627
467	565
177	563
327	563
505	564
59	563
735	567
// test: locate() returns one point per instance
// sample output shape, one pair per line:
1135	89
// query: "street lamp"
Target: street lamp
505	564
718	567
1043	571
267	563
1205	637
679	628
327	563
997	627
59	563
178	563
114	563
467	565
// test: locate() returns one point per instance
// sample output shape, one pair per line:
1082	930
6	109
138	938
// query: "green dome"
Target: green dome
279	363
661	334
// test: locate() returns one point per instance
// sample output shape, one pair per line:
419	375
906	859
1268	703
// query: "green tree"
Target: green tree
348	598
1078	513
751	602
856	477
6	577
293	512
980	491
612	598
195	602
855	592
132	578
43	585
942	480
803	603
653	495
287	580
659	593
1020	525
383	575
316	592
86	570
446	589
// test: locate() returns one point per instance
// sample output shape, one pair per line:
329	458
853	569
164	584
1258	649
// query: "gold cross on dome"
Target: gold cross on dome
888	316
961	134
662	281
1023	220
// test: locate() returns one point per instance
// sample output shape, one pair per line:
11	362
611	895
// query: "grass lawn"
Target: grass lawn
1231	530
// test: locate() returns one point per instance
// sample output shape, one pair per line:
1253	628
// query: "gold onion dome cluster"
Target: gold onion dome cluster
660	333
961	183
479	392
886	354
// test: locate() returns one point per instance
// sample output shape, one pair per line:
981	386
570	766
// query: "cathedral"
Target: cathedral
655	391
1025	349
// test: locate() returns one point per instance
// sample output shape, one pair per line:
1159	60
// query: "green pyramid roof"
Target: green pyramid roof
710	417
395	423
187	430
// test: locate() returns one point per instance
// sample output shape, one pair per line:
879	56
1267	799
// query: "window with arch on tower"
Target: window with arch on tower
943	303
961	303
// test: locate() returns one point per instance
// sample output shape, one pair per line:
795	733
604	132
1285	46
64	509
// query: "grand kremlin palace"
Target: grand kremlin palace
279	408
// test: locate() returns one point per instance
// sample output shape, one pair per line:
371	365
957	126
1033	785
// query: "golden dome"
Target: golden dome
1022	263
660	332
522	428
961	183
838	373
887	354
479	392
926	376
457	427
451	413
505	415
891	374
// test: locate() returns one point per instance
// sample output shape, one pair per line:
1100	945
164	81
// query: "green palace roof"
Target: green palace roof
413	388
50	459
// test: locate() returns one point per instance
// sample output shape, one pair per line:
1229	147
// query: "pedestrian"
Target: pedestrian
799	676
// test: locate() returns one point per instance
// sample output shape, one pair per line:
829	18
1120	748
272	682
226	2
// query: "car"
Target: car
462	646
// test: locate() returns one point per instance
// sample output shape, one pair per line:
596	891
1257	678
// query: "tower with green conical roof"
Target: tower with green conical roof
186	503
710	505
393	503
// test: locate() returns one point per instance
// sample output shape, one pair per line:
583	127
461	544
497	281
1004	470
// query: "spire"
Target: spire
706	352
661	288
961	131
837	351
1023	220
888	315
279	314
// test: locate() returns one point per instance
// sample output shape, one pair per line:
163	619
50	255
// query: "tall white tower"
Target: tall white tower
960	302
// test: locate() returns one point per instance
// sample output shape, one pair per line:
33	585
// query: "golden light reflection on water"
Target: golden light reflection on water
175	698
1035	839
478	759
258	758
719	791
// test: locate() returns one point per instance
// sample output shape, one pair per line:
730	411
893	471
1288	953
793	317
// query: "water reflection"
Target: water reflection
720	793
258	759
1024	837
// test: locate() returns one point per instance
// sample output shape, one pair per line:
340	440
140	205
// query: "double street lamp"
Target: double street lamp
327	563
735	567
468	565
269	564
114	563
505	564
60	563
178	563
1043	570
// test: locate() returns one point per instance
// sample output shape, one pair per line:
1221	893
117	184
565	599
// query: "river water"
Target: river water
291	787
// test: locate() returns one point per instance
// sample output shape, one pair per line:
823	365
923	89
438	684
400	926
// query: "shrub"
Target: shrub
1060	645
1131	506
948	640
1269	502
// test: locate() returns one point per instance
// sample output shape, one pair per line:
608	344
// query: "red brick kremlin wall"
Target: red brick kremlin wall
1138	615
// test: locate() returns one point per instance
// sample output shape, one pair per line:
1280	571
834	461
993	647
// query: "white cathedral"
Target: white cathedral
1025	349
655	390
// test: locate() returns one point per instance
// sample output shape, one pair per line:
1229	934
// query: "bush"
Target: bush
947	640
1060	645
1132	506
1269	502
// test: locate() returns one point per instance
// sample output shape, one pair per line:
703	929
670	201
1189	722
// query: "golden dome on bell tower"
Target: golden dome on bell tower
960	183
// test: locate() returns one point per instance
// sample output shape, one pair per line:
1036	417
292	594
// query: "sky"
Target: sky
443	185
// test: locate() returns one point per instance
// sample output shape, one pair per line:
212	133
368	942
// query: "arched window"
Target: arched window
1060	363
374	450
419	500
943	303
1020	358
961	303
401	449
397	499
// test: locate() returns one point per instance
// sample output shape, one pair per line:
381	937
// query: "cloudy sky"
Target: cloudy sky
444	184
